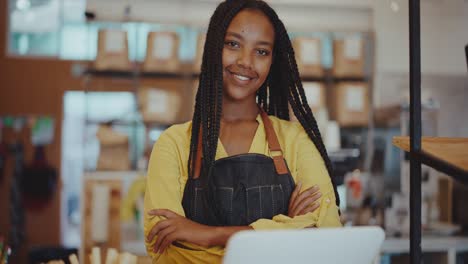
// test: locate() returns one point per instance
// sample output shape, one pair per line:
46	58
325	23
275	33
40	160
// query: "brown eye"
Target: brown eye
232	44
263	52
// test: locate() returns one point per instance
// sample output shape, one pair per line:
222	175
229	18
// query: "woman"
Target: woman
234	167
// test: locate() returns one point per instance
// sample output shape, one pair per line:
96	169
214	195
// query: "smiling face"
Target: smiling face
247	54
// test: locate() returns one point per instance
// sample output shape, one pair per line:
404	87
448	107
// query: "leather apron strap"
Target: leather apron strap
276	152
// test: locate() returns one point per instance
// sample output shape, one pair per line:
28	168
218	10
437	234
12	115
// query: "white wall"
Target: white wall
444	33
296	14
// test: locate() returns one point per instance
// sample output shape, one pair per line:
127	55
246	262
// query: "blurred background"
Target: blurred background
87	87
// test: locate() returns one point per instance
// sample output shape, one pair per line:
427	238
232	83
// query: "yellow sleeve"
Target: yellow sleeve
310	171
163	188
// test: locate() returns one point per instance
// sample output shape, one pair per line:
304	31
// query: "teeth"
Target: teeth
242	78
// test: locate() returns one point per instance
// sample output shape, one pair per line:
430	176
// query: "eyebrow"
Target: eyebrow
239	36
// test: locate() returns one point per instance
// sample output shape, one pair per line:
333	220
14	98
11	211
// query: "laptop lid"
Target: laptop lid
315	245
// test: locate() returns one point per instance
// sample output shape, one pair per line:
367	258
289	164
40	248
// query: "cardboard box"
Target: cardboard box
316	98
162	52
348	104
348	57
114	150
112	51
197	63
308	56
159	105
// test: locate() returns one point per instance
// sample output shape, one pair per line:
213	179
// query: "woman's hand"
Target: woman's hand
177	228
305	202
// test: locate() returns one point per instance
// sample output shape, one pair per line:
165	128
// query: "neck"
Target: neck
239	110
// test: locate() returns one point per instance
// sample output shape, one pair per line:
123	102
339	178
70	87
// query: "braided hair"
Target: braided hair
283	86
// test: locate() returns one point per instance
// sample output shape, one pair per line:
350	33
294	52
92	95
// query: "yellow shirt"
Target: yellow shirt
167	175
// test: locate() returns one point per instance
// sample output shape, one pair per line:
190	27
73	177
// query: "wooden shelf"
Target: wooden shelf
139	74
328	77
449	155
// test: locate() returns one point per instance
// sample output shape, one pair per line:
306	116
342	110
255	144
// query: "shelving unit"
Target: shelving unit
449	155
140	74
327	78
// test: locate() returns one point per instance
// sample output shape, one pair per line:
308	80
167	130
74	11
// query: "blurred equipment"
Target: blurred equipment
460	214
343	161
5	251
48	254
38	181
332	136
101	210
100	213
295	247
3	157
355	182
17	215
112	50
132	213
162	52
112	257
369	213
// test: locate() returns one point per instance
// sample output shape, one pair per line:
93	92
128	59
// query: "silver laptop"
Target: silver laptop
360	245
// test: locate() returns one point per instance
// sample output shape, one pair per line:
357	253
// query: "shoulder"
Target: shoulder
175	137
294	139
287	129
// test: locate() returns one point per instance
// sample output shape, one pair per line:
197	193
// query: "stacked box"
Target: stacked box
308	56
112	51
348	104
159	105
348	57
162	52
114	150
315	94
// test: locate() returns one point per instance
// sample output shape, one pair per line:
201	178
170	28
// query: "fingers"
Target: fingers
156	228
168	241
309	209
306	202
163	212
162	237
294	195
304	195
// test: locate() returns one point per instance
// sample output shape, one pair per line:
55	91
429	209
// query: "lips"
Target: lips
240	76
240	79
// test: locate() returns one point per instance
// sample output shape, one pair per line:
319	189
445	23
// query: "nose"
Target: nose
245	59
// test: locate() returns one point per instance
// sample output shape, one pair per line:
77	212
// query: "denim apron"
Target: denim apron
240	189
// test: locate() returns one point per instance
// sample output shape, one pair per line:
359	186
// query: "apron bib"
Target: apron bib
240	189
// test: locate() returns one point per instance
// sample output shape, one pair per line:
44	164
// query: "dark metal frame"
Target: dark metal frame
415	130
455	172
417	156
466	55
